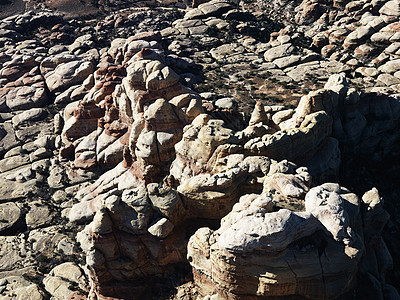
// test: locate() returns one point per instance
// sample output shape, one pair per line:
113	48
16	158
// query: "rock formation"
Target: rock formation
214	166
153	140
258	251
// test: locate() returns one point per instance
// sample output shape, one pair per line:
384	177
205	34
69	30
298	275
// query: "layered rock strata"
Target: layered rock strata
214	166
147	161
257	251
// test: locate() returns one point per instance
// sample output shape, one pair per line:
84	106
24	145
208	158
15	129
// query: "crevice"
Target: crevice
322	270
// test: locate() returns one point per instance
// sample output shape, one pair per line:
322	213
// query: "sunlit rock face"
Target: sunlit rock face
221	194
314	253
172	157
170	163
128	122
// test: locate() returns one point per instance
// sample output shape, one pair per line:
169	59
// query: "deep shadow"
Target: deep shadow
360	174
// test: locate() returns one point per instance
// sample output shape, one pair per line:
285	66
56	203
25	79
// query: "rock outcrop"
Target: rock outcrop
213	168
314	253
152	141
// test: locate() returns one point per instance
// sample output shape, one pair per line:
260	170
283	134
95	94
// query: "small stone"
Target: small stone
365	71
40	153
13	162
279	51
328	50
391	8
393	48
41	166
58	123
38	215
67	74
17	287
381	37
13	152
283	39
9	217
58	281
282	116
56	177
390	67
29	115
162	228
288	61
46	141
66	246
352	62
259	115
29	147
60	196
395	37
225	103
388	79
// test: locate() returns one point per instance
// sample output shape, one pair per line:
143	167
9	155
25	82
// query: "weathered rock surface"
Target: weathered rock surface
212	170
10	214
62	278
20	288
262	252
98	126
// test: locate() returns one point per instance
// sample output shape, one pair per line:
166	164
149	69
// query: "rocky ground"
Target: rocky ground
162	151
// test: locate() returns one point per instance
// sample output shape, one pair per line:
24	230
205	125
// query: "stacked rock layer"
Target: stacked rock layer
108	137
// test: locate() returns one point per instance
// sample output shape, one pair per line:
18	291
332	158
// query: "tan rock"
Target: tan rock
10	214
83	122
224	261
68	74
24	96
20	288
200	139
161	79
162	228
58	282
258	115
296	142
334	211
278	52
8	139
281	116
212	196
315	101
390	9
167	202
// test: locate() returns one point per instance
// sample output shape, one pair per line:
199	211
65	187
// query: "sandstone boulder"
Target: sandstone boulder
68	74
59	282
25	93
224	261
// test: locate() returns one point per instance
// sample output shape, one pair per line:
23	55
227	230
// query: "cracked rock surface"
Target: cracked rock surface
214	149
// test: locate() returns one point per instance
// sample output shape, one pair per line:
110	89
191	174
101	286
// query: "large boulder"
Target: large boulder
261	252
